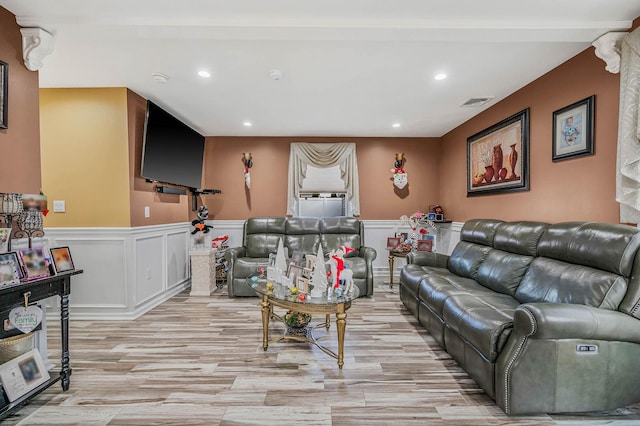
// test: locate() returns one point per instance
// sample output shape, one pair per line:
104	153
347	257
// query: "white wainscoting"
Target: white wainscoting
127	271
375	236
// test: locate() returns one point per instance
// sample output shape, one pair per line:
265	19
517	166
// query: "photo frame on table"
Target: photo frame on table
295	271
33	261
425	245
505	147
393	242
8	273
12	256
573	130
22	374
62	261
4	93
296	258
303	284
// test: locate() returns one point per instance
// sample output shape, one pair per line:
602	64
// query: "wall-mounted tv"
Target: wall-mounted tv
173	152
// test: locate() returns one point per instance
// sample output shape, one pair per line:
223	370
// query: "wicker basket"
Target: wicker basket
12	347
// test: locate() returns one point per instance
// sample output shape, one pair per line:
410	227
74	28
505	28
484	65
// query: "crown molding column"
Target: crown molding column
36	45
608	49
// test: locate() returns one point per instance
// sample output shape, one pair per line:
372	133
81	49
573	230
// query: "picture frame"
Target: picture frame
303	284
62	260
295	271
33	262
504	146
425	245
404	236
22	374
13	257
4	94
296	258
573	130
8	273
393	242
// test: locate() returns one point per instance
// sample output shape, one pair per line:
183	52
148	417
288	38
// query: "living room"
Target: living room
135	265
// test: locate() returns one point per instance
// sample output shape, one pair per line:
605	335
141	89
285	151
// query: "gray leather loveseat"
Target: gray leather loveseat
545	318
261	236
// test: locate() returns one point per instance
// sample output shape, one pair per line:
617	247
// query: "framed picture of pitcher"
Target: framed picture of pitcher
498	157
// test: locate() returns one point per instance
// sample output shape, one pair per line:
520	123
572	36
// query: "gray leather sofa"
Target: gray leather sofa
545	318
261	236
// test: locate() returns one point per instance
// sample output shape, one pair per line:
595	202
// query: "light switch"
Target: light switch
58	206
147	212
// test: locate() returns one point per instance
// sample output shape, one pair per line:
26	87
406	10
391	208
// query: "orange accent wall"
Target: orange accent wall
576	189
21	140
163	208
379	199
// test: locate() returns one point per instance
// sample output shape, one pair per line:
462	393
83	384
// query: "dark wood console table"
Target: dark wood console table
13	296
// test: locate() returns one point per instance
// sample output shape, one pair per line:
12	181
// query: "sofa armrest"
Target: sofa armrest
428	258
368	253
566	321
235	252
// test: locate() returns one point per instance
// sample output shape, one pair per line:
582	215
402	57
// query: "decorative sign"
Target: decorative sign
23	374
26	319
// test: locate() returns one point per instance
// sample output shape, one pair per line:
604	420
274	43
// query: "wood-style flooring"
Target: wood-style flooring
199	360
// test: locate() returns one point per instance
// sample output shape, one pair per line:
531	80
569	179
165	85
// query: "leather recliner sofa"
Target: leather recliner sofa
545	318
261	236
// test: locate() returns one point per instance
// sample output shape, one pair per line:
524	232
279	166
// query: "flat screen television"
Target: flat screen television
172	152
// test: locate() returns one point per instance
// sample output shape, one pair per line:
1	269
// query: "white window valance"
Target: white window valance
323	155
628	167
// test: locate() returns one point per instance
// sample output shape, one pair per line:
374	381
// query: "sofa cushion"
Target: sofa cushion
519	237
598	245
554	281
340	231
306	244
502	271
480	231
485	322
434	290
262	235
466	258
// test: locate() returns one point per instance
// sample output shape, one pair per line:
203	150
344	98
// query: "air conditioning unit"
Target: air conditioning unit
322	204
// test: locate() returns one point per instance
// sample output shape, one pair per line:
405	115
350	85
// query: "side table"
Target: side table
203	272
392	256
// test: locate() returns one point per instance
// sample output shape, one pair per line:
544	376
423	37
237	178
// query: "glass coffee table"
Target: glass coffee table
274	294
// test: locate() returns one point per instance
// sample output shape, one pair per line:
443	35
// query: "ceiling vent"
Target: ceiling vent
476	102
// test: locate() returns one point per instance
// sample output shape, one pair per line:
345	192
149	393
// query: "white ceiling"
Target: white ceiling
349	68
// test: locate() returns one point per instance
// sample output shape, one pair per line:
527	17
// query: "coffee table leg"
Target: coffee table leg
266	312
391	259
341	325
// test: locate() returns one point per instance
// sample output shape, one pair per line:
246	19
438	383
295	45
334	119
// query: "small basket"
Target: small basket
12	347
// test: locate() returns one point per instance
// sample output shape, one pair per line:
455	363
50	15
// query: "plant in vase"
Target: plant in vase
296	319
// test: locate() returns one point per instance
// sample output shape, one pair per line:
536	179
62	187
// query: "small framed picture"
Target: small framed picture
8	273
296	258
13	257
404	236
295	271
34	263
425	245
393	242
23	374
310	260
573	130
62	261
302	284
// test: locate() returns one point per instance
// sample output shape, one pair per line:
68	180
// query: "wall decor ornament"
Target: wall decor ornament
248	163
487	170
400	178
573	130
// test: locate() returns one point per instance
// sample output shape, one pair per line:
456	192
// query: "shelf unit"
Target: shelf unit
14	296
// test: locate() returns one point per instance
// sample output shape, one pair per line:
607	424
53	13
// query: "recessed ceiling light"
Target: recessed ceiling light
440	76
395	125
247	124
205	74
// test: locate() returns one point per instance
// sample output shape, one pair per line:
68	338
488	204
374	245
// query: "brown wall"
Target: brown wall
268	195
21	141
576	189
164	208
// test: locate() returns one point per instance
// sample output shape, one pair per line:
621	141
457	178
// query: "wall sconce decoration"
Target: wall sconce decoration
248	163
400	179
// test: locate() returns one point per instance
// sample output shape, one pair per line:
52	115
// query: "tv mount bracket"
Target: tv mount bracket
196	192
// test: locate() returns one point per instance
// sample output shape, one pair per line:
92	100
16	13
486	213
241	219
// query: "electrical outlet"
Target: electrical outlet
147	211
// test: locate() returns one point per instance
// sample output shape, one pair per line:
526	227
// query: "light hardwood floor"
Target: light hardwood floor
199	360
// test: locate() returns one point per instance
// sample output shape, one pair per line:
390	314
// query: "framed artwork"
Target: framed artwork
296	258
498	157
573	130
302	284
23	374
34	263
13	258
8	273
62	261
425	245
4	93
295	271
393	242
